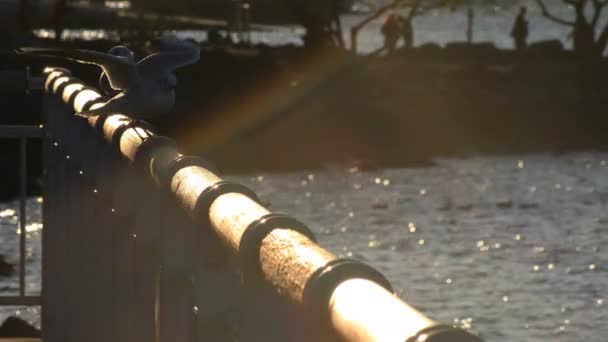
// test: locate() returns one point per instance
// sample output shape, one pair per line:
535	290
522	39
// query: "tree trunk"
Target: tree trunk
602	41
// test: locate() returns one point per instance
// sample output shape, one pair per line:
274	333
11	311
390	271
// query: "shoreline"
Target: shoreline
286	109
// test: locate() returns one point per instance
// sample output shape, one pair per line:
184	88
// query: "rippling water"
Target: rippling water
513	248
9	247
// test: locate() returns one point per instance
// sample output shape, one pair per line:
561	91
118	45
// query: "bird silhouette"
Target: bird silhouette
140	90
121	52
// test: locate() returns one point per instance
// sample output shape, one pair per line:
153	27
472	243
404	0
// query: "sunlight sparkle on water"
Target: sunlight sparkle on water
30	228
117	4
412	227
465	323
7	213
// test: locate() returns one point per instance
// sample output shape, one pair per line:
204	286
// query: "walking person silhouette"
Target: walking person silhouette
520	30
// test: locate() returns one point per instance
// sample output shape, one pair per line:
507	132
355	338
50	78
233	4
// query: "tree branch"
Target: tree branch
602	41
598	7
552	17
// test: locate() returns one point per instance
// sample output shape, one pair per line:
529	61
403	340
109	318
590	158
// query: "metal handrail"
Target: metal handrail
353	302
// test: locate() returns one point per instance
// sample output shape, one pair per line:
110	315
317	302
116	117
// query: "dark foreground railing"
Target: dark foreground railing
121	263
22	133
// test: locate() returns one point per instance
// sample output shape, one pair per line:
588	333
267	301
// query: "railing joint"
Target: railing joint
210	194
443	333
254	234
323	282
153	156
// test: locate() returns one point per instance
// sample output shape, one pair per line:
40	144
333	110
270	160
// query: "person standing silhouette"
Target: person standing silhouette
582	34
520	30
470	19
407	32
391	30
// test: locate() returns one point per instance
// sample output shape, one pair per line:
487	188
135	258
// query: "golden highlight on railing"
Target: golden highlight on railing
347	298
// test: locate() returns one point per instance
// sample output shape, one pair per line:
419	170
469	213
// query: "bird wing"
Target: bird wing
121	72
162	63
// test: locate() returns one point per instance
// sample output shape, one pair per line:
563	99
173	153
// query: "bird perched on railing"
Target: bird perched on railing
140	90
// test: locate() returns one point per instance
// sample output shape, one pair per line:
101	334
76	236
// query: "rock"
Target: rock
6	269
506	204
465	207
379	205
16	327
447	204
526	206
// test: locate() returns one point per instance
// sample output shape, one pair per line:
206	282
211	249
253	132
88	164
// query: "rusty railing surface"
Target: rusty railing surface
130	262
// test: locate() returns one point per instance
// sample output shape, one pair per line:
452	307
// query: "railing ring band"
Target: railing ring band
185	161
50	83
443	333
210	194
151	148
323	282
131	124
90	103
72	97
48	70
256	231
62	86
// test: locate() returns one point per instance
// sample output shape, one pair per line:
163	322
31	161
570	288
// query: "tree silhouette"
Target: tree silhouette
587	41
320	18
415	7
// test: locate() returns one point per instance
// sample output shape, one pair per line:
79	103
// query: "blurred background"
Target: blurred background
458	146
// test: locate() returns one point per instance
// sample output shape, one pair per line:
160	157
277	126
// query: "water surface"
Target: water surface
513	248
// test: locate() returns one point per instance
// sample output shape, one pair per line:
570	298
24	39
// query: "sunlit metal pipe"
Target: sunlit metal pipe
352	299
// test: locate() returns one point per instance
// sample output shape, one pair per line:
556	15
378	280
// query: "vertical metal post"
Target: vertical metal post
22	212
